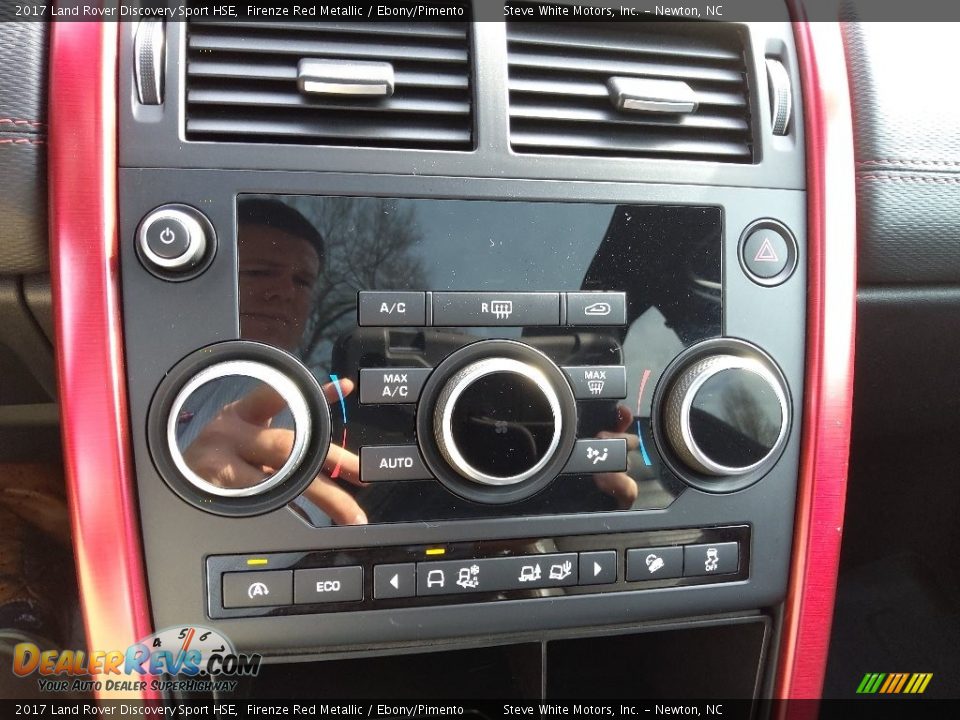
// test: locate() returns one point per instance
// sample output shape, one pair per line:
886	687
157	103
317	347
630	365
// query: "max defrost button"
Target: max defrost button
325	585
390	308
391	385
257	589
392	462
601	382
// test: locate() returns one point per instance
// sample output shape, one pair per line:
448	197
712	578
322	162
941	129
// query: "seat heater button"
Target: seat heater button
392	462
327	585
487	309
392	385
257	589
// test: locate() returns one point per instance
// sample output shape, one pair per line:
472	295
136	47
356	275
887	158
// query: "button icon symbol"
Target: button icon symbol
598	309
167	236
500	309
561	571
435	578
595	386
654	562
500	427
596	568
713	560
766	253
529	573
468	577
597	456
395	581
257	589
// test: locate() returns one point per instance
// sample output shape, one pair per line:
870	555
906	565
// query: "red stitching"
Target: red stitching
16	121
892	161
913	179
22	141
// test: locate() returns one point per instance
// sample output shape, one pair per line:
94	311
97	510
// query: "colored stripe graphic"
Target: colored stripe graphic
894	683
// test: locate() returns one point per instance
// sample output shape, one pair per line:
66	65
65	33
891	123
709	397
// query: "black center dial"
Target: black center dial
496	421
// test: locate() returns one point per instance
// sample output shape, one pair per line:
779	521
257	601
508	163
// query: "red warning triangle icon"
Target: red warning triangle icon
766	253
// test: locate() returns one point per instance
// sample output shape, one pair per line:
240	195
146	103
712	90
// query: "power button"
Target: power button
174	240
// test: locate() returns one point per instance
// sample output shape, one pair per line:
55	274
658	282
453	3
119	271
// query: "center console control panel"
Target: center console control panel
279	584
407	409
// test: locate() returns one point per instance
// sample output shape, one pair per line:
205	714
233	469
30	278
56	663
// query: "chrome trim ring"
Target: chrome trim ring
196	247
443	416
681	398
287	389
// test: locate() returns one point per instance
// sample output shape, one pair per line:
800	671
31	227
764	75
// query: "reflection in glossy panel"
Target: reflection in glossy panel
303	259
235	432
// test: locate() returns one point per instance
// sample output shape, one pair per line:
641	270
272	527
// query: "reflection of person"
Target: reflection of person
242	433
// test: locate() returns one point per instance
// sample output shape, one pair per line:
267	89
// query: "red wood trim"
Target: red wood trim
831	308
85	279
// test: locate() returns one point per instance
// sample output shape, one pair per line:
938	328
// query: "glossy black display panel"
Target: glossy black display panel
304	259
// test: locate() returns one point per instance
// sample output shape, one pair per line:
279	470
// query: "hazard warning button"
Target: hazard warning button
768	252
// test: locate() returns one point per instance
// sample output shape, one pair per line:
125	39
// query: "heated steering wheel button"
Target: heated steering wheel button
598	456
328	585
718	559
167	237
257	589
392	462
654	563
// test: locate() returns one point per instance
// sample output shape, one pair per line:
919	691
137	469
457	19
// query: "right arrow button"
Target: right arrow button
598	567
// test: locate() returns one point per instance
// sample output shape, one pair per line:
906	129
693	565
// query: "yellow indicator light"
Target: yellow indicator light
436	551
257	561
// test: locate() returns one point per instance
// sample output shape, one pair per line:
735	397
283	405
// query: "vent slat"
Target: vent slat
293	99
560	104
277	71
577	89
347	128
288	45
241	84
605	41
407	30
612	117
615	142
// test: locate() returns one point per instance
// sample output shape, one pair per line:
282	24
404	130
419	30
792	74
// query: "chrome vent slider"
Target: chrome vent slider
347	78
651	95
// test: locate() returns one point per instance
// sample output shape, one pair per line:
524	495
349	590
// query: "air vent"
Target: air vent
242	84
570	86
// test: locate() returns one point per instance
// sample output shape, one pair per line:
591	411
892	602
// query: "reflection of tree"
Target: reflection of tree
368	243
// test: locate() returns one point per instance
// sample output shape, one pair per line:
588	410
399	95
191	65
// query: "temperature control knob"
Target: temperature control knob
726	414
497	421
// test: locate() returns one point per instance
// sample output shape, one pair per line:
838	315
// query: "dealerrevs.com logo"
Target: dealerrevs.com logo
202	660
